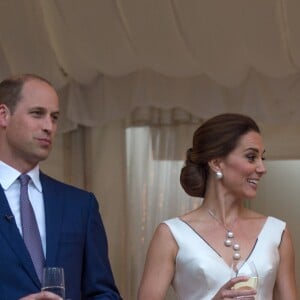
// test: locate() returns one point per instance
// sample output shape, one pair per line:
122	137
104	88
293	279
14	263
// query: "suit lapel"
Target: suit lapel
53	200
10	231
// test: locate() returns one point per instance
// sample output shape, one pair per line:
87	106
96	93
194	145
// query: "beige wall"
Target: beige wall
279	196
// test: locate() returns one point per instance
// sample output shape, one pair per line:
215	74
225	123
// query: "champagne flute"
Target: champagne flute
245	268
53	281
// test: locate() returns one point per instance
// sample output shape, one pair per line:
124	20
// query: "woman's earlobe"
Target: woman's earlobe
215	167
219	174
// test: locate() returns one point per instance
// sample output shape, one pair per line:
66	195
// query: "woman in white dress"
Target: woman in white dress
195	252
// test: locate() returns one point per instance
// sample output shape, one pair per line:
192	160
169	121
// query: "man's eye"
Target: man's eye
36	113
55	118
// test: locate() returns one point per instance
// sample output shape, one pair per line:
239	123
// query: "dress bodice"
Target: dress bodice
201	271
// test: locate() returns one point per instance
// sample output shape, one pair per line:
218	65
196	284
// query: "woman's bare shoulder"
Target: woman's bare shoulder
252	214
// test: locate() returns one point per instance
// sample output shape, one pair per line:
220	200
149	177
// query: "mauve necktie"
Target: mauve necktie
31	234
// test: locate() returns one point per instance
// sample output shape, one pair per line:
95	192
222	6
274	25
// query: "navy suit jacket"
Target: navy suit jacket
75	240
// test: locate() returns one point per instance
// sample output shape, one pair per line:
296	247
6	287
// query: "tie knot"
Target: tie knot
24	179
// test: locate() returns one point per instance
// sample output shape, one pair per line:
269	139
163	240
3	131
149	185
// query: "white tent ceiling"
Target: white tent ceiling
109	56
179	38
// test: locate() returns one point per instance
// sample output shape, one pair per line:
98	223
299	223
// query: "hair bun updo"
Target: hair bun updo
193	176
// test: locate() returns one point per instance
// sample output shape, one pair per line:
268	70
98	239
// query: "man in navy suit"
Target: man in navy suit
72	234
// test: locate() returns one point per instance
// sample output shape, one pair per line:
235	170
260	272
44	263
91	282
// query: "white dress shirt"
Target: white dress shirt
11	186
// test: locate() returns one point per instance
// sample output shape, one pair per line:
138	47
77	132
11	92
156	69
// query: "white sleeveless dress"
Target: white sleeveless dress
201	271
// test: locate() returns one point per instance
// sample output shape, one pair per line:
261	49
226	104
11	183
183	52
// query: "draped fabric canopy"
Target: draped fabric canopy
108	57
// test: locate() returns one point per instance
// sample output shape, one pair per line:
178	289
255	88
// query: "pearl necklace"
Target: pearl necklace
229	238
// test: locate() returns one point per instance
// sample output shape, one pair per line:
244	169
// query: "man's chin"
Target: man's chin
42	155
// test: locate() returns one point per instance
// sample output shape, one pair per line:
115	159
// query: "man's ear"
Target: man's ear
4	115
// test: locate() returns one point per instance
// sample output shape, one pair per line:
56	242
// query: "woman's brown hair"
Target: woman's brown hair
215	138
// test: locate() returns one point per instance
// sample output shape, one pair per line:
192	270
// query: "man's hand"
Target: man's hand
42	296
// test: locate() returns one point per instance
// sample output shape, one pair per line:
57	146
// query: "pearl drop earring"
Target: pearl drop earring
219	175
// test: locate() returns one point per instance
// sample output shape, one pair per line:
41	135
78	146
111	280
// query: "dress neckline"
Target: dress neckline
215	251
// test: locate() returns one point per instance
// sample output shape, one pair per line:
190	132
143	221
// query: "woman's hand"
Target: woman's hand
42	296
226	291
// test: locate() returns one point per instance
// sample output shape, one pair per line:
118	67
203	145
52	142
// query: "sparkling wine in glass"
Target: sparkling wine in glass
245	268
53	281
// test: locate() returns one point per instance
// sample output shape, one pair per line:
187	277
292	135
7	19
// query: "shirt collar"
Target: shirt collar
8	175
